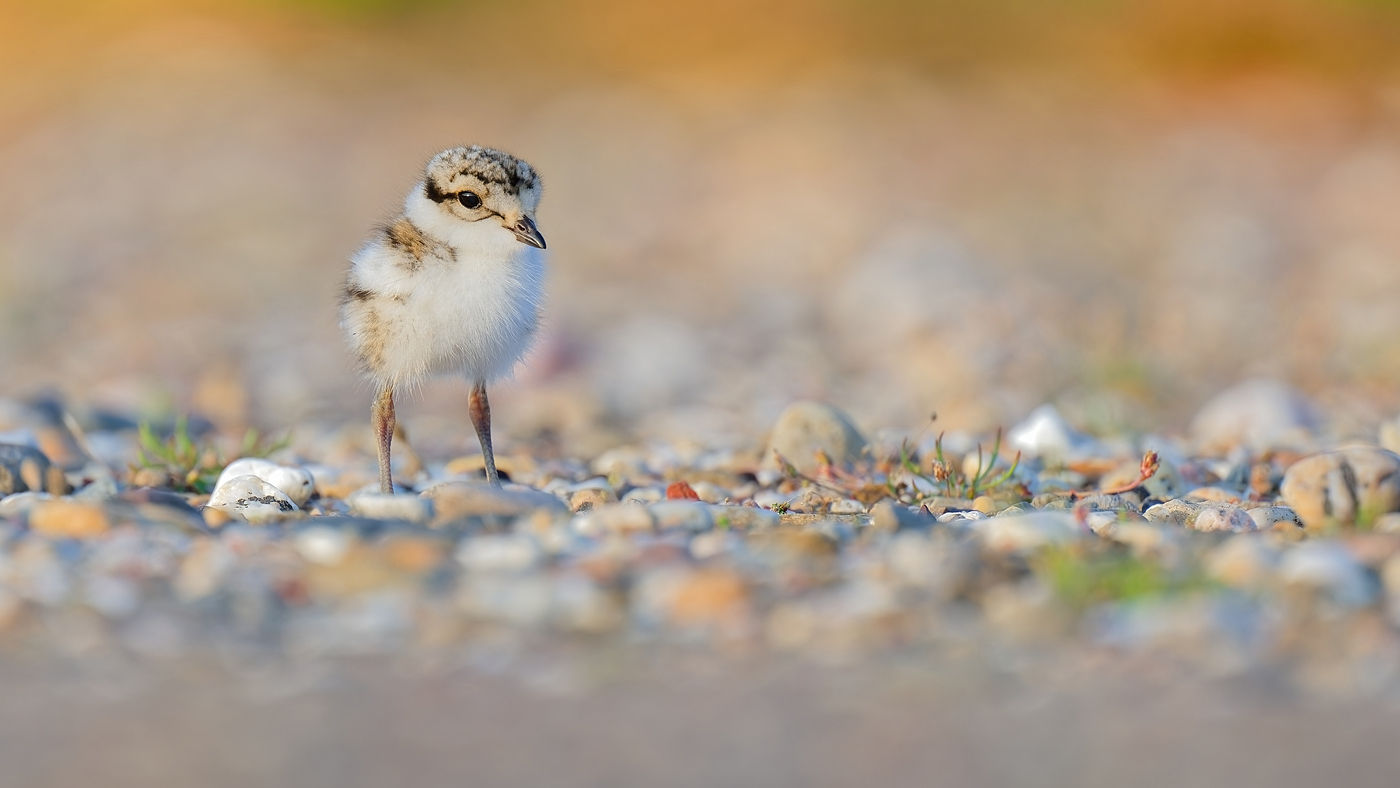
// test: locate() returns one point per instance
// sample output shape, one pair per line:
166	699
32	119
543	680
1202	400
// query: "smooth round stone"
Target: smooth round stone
1221	518
806	428
252	499
378	506
692	517
1346	488
294	481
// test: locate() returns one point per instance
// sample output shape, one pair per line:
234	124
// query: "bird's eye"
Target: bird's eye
469	200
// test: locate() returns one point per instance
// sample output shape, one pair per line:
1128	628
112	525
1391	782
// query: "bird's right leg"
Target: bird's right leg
383	417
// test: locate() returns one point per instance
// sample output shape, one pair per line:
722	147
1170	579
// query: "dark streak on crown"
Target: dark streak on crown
487	165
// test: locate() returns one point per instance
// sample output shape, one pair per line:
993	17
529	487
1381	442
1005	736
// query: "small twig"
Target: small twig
1150	465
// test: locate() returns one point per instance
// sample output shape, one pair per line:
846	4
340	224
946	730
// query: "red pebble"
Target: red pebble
680	491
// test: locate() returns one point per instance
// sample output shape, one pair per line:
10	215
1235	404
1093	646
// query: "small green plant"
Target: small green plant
950	479
195	466
192	466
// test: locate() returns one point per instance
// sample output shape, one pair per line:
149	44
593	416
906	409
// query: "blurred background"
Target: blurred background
1119	206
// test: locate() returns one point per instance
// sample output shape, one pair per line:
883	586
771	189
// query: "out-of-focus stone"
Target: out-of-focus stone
61	519
1173	511
323	544
253	499
1275	518
1386	523
20	503
806	428
456	500
499	553
1346	488
680	515
1389	435
294	481
1221	518
1045	433
414	553
151	477
1330	569
1027	533
1256	414
1213	495
890	517
745	518
709	597
1245	561
413	508
1165	483
614	519
583	500
25	468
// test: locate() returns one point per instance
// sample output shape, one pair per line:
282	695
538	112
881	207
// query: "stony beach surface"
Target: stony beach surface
1255	561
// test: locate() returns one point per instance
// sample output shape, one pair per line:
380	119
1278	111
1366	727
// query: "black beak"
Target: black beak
526	231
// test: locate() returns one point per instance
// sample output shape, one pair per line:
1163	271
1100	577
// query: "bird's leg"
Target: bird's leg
481	419
383	417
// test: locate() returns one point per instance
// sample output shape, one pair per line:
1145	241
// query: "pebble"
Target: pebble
294	481
1256	414
891	517
1045	433
252	499
1221	518
1330	569
614	520
679	515
499	553
412	508
745	518
66	519
323	545
1388	436
1275	518
1027	533
585	499
1346	488
25	468
13	506
458	500
808	427
1245	561
1173	511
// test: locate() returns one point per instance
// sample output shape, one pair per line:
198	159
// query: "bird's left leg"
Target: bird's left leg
481	419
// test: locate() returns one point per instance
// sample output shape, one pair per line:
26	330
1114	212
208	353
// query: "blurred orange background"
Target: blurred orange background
1122	207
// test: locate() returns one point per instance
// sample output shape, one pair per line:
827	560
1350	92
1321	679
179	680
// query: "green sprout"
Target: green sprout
195	466
950	478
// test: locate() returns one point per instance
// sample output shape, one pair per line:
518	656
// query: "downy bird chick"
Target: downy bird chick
451	286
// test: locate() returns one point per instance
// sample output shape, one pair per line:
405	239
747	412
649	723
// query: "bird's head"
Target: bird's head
479	184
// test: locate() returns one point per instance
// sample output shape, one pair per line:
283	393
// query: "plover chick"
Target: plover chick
453	285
